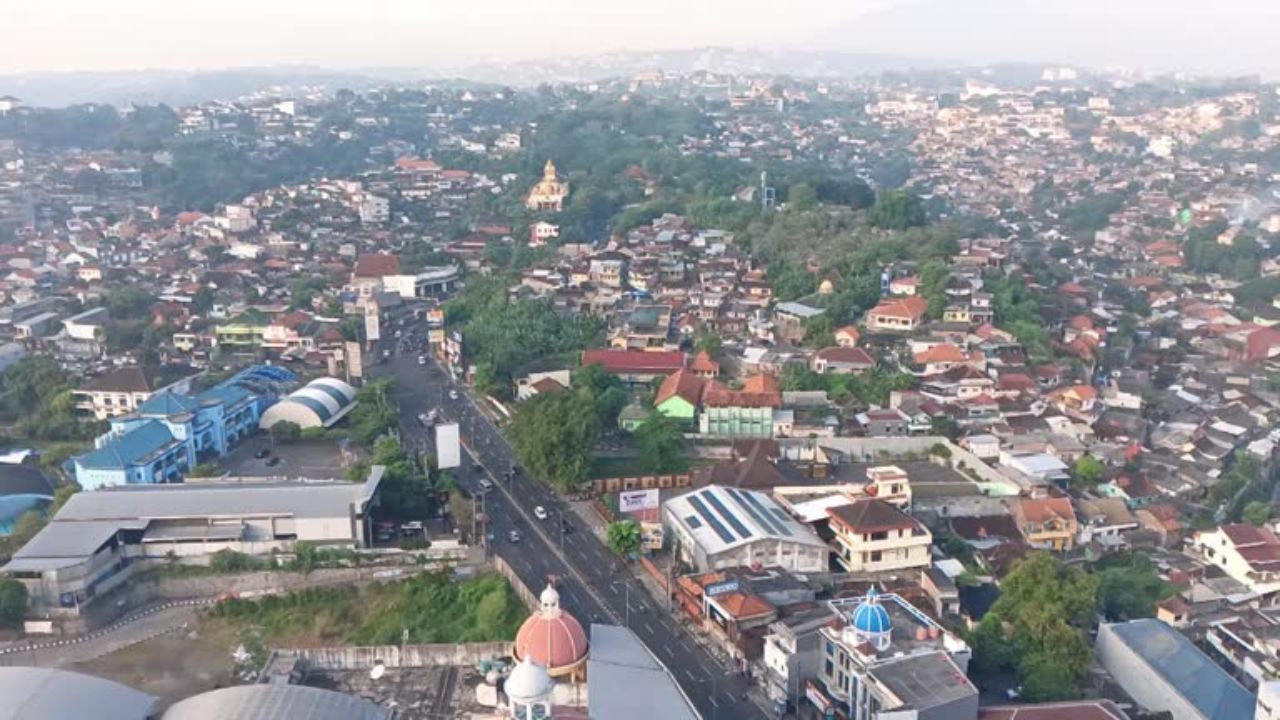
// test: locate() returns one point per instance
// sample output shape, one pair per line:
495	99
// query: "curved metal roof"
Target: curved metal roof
29	692
278	702
343	393
316	406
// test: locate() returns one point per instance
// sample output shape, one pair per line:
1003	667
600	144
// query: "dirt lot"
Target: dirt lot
171	667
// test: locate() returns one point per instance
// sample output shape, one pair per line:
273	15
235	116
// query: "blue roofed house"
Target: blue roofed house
1163	671
171	432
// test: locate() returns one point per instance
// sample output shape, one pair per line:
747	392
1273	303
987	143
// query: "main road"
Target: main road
594	585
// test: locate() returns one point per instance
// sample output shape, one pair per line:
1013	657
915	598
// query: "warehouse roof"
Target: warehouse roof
626	682
91	519
278	702
1185	668
720	518
29	692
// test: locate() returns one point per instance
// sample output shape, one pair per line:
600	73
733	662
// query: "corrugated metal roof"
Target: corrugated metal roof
128	449
1184	667
278	702
626	682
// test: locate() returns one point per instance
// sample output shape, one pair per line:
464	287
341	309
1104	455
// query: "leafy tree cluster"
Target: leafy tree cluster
870	388
375	412
623	537
36	395
1038	629
13	603
1238	261
508	335
92	126
1242	483
1092	212
1128	587
554	434
1018	311
662	443
897	210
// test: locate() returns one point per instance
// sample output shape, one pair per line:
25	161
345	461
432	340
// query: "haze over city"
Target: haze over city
666	360
1231	36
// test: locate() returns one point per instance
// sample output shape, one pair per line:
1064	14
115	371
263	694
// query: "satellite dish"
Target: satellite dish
377	671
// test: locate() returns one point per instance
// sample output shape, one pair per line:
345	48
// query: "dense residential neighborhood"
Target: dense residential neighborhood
950	395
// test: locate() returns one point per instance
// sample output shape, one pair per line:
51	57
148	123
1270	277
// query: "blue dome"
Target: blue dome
870	617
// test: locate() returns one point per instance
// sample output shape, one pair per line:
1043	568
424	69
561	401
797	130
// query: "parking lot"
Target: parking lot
320	460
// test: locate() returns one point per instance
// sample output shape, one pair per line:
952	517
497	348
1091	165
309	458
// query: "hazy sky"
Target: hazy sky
131	34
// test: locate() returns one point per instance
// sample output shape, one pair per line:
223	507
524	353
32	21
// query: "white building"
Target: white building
375	210
1250	555
723	527
98	538
890	660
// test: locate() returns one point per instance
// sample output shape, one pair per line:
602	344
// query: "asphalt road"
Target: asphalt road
594	585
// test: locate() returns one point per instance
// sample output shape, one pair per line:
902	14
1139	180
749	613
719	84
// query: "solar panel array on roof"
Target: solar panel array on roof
743	531
693	521
783	520
702	510
767	521
739	498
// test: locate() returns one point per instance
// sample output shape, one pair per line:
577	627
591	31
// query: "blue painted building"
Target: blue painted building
172	432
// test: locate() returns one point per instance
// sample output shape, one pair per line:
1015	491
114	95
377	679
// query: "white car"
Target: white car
540	513
422	359
453	394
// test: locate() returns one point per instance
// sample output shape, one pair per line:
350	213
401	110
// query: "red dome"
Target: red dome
552	638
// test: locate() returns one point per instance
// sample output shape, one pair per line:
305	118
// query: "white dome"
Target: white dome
550	599
528	682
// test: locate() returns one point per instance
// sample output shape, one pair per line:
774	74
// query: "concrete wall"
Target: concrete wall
527	596
408	656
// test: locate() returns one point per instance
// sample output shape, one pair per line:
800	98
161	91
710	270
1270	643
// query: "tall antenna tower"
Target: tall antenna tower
768	195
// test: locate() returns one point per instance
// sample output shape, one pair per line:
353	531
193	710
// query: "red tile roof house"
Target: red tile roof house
898	315
635	366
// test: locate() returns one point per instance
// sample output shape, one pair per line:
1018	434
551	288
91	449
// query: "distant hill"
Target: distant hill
177	87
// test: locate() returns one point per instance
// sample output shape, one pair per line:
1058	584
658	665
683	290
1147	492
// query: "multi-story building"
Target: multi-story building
1250	555
123	390
740	413
873	536
93	544
1046	522
891	661
170	433
245	330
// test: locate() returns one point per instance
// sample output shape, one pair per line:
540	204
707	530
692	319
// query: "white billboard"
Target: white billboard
633	500
448	446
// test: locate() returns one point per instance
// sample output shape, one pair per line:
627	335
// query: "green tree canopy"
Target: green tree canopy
1256	512
13	603
623	537
1038	629
1087	470
661	442
554	436
897	210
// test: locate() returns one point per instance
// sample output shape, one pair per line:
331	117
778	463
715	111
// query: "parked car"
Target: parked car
540	512
485	485
262	452
273	461
453	394
422	359
514	536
